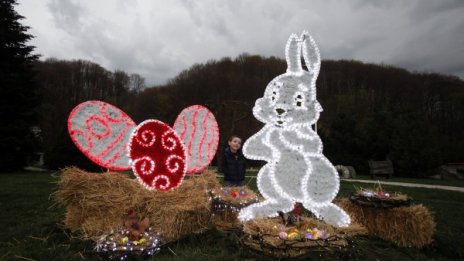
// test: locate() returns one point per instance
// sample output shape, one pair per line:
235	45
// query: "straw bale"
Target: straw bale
407	226
261	235
96	203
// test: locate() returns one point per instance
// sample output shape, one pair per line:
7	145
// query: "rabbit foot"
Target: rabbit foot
331	214
245	214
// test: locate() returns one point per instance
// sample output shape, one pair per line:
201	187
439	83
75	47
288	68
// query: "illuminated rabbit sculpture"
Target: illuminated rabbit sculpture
296	169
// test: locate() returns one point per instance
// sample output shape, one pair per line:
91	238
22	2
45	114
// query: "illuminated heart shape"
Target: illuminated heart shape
101	131
158	157
198	129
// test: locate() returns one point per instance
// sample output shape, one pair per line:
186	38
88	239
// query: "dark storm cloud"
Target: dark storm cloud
435	41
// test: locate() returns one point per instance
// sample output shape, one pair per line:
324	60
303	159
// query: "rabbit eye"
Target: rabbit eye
298	100
274	94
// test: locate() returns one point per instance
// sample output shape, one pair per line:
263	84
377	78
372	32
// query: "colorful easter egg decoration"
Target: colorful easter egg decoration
158	157
101	131
198	129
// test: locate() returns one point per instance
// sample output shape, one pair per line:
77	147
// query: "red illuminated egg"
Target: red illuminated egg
198	129
157	156
101	131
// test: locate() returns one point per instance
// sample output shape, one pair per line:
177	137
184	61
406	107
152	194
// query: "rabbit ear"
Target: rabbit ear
311	54
293	54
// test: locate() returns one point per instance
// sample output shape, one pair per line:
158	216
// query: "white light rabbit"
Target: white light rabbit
296	169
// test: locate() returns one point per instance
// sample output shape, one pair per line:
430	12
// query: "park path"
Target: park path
415	185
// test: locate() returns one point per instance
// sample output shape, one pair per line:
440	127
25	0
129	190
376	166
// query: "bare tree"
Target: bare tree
136	83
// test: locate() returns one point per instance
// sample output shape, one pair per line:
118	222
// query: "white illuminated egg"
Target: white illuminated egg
199	132
101	131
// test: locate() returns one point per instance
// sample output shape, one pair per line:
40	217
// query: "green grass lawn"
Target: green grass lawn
430	181
442	182
33	230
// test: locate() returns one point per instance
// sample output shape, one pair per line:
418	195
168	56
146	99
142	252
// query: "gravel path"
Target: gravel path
459	189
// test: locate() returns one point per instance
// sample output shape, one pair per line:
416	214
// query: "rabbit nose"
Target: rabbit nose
280	111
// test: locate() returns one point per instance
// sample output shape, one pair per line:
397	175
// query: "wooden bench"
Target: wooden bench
384	167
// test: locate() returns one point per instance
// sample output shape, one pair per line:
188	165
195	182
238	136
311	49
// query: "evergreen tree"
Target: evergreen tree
18	97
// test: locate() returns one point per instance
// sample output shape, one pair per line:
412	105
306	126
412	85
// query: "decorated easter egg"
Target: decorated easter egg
158	157
309	236
198	129
283	235
294	236
101	131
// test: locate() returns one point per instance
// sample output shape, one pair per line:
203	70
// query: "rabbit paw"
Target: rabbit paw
246	214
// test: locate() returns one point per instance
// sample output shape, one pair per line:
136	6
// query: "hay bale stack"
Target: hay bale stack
96	203
408	226
260	234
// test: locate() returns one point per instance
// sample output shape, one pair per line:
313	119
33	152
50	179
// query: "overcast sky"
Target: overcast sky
158	38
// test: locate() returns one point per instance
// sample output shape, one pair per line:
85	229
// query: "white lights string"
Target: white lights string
117	248
296	169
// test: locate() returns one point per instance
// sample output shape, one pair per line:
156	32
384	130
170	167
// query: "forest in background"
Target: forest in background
370	111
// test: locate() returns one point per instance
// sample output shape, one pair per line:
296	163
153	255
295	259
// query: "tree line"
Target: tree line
370	111
65	84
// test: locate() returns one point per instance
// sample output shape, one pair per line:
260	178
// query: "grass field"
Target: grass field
429	181
33	230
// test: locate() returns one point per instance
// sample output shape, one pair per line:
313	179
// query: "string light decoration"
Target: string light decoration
296	169
154	151
101	131
118	245
198	129
158	157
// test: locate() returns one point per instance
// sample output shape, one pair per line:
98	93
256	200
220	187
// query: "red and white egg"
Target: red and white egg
101	131
158	157
198	129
